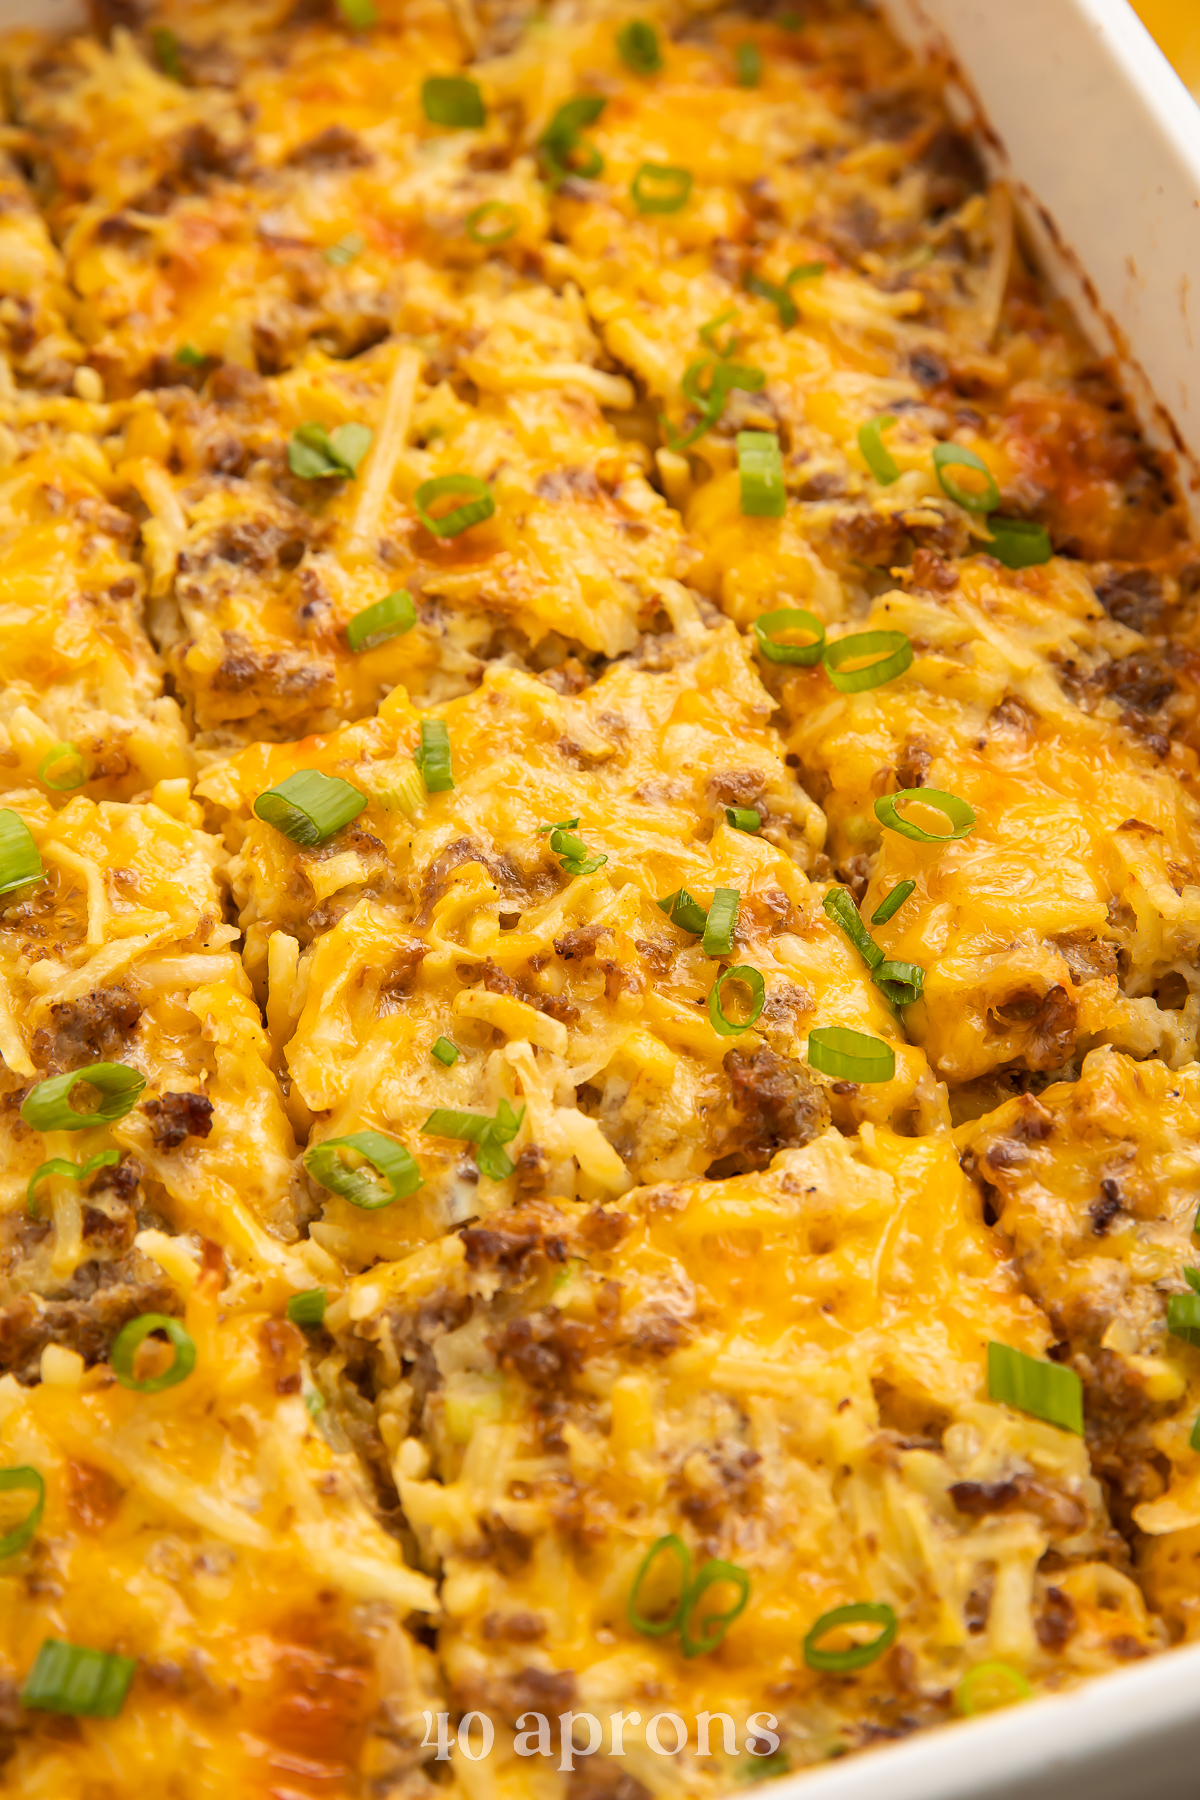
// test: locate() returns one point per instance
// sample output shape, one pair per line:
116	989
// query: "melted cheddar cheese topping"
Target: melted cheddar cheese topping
512	1213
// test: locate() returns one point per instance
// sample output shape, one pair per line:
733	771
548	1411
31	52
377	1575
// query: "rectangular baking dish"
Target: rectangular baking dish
1100	140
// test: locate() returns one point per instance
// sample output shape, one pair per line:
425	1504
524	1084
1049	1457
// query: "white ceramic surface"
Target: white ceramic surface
1102	141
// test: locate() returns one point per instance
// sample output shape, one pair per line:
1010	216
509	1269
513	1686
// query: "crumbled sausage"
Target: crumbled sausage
175	1117
94	1028
774	1105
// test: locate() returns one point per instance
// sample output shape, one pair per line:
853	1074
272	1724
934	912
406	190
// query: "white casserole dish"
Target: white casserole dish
1101	141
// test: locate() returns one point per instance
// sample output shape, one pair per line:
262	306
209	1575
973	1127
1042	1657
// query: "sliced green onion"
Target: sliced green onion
1044	1390
166	50
507	222
389	1159
960	816
445	1051
308	1309
10	1481
900	982
1192	1277
190	357
571	851
638	44
676	1547
309	807
131	1337
62	769
708	333
660	187
790	21
714	1625
315	454
892	649
809	271
1018	544
850	1055
432	757
563	151
841	908
744	818
758	991
1183	1317
58	1165
478	507
711	405
749	64
314	1403
876	455
48	1107
685	912
485	1133
857	1656
20	862
954	456
778	296
760	468
789	618
453	100
892	902
1194	1440
388	618
69	1678
989	1686
359	14
347	248
721	921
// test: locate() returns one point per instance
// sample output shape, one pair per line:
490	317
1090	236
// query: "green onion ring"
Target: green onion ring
308	1308
71	1678
132	1336
997	1674
790	618
758	988
951	456
73	775
960	815
858	1656
638	44
760	472
1044	1390
892	648
48	1107
510	223
453	100
721	922
309	807
20	862
714	1625
900	982
749	64
876	455
892	902
397	1166
20	1535
478	507
673	186
388	618
661	1627
1018	544
850	1055
58	1165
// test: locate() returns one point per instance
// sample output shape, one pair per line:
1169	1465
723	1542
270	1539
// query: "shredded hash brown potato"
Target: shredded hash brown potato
464	1322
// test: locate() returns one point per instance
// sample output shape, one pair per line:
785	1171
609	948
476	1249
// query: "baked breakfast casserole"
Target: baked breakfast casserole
599	915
